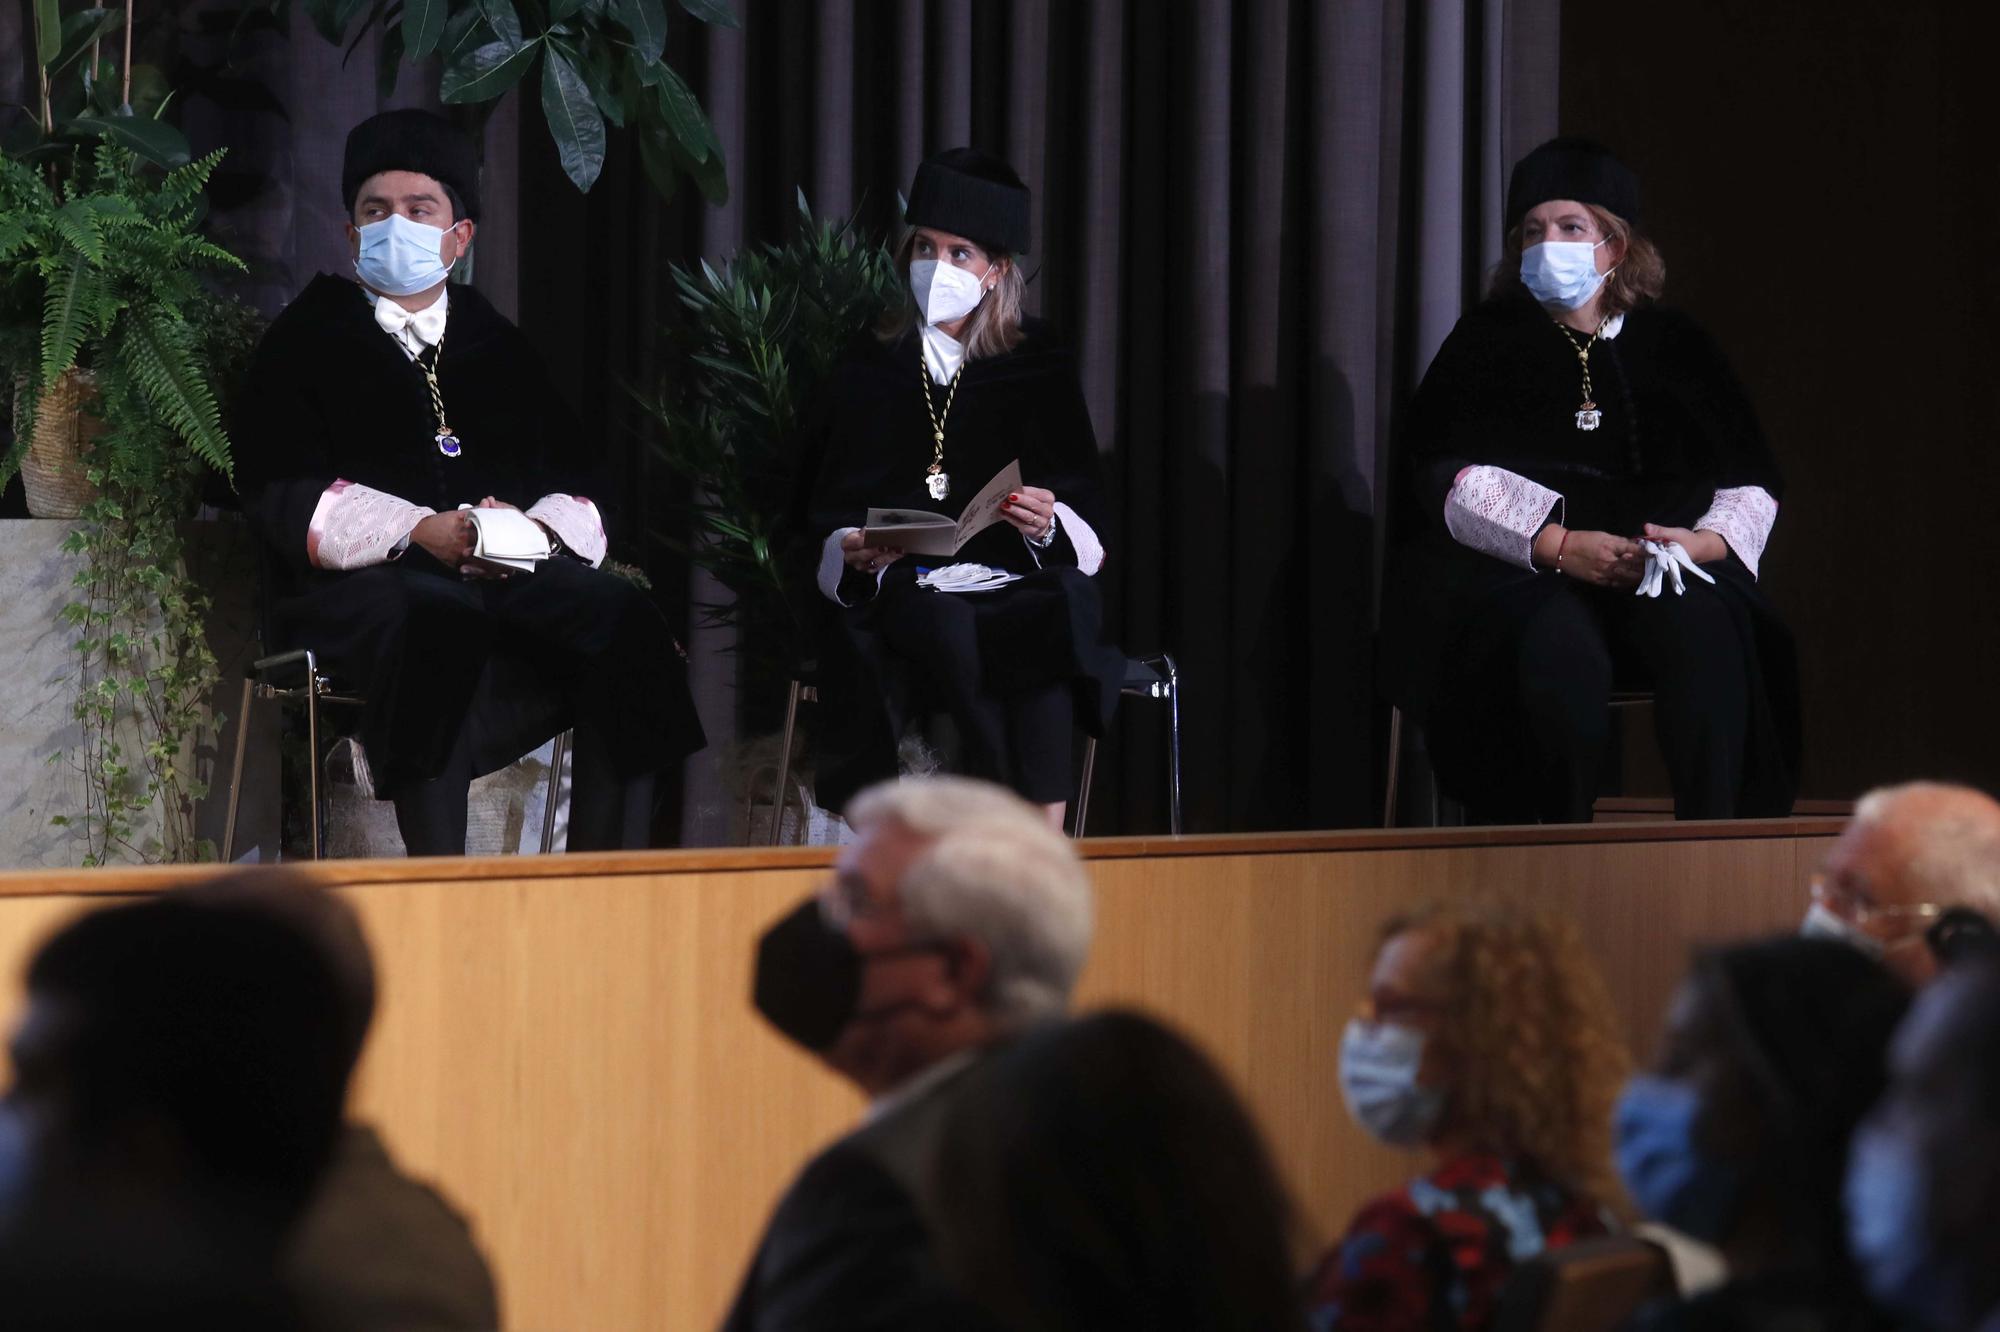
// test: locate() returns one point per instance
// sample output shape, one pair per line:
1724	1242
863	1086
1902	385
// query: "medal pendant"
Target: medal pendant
448	444
1588	417
939	484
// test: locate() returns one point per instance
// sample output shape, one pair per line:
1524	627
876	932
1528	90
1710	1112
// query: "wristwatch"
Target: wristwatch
1046	539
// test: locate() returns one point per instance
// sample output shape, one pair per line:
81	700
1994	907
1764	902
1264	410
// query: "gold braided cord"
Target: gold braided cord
937	419
1582	353
430	377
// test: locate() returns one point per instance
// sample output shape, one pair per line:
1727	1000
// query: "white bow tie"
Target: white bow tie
426	324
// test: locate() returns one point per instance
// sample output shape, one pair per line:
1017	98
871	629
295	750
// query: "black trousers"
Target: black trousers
463	676
1016	729
1523	728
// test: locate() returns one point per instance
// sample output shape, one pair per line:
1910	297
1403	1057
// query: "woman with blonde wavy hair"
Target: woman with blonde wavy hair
952	386
1487	1040
1588	496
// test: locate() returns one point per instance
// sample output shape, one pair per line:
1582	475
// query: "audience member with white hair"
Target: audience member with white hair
957	919
1909	856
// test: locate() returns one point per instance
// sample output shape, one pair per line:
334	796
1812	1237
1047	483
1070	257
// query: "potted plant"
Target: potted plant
754	340
100	275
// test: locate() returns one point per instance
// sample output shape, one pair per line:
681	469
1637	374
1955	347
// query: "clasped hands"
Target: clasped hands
1030	509
451	538
1607	560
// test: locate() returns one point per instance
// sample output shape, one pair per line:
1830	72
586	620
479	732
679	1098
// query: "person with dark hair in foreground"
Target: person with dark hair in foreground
1101	1175
1924	1171
1739	1137
375	411
1589	495
956	920
179	1077
1487	1040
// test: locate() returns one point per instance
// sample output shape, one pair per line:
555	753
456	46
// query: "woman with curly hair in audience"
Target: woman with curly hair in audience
1486	1040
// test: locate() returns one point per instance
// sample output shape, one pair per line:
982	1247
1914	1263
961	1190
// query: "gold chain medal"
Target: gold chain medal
936	480
1588	417
448	443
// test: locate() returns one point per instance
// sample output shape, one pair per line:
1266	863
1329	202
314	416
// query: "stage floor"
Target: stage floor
566	1044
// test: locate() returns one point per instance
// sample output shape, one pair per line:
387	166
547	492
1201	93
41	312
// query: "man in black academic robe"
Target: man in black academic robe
374	412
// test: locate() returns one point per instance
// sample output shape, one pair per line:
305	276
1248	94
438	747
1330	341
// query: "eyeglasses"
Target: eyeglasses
1863	911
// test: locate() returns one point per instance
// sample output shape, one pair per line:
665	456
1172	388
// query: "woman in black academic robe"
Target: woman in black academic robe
921	413
1573	447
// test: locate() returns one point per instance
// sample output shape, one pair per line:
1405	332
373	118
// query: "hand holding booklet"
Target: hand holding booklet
921	533
507	537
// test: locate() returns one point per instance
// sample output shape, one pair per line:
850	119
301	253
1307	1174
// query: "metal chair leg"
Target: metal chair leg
1083	787
312	752
1173	744
784	763
1395	765
558	750
236	772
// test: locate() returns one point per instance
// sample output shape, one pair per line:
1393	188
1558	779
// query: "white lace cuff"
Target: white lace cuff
1082	536
832	564
1497	512
354	526
576	520
1742	516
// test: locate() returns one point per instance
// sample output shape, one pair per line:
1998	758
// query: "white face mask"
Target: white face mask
1379	1062
1562	273
944	292
1823	922
399	257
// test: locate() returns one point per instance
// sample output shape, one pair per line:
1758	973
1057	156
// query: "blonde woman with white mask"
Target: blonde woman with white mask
1588	496
949	388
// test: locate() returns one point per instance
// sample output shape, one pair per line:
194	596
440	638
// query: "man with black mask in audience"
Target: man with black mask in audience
957	918
1925	1169
374	413
179	1073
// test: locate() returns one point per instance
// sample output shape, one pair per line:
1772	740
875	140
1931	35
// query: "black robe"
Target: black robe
867	442
1503	391
330	395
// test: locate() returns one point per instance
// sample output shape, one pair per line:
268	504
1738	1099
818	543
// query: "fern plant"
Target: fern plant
101	270
755	339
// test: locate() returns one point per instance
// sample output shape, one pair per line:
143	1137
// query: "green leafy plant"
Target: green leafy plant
597	61
755	339
83	93
101	272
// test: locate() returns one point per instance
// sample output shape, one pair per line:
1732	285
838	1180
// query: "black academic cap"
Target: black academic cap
974	195
411	141
1569	168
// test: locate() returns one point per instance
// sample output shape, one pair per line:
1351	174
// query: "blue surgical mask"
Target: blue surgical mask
1562	273
1888	1229
1823	922
399	257
1665	1169
1378	1078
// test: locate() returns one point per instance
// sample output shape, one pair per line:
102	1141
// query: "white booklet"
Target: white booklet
921	533
507	536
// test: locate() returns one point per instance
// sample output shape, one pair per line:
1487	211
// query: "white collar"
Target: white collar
943	354
1612	327
413	330
919	1084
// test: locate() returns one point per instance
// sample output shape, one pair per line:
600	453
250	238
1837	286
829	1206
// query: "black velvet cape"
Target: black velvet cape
330	395
1503	391
867	442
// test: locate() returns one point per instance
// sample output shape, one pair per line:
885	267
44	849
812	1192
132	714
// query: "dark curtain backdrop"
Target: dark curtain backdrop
1253	221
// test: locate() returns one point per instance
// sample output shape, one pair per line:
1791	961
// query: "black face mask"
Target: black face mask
808	978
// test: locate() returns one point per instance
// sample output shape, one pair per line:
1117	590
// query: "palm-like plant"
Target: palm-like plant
756	339
111	259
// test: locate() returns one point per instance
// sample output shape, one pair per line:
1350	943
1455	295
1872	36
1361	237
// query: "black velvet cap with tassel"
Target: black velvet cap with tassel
411	141
1571	168
974	195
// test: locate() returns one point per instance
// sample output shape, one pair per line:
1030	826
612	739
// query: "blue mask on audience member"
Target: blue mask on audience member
1378	1078
1888	1227
1822	922
1668	1174
401	257
1562	273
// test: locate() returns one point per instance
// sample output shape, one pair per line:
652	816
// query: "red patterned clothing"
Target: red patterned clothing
1433	1255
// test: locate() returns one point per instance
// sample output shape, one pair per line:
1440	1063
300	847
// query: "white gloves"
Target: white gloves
1665	560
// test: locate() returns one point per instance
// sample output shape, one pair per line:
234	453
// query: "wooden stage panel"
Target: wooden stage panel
567	1045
